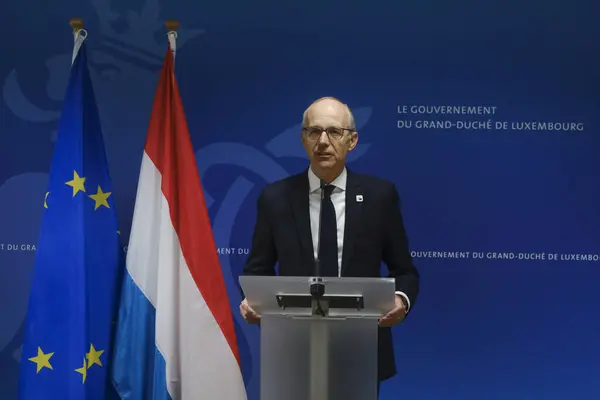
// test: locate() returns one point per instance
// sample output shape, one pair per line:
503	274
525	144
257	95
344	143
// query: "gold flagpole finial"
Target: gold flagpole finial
77	24
172	25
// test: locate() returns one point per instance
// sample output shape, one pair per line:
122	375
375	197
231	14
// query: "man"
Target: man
361	222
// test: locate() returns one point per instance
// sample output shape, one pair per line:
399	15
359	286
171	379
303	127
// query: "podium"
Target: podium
318	347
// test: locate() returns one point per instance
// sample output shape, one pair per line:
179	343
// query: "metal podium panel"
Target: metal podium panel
262	291
318	358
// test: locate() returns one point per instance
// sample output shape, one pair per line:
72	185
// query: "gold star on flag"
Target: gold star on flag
100	198
93	357
82	371
42	360
77	183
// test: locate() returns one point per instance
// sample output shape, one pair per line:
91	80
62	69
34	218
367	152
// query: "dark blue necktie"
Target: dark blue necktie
328	250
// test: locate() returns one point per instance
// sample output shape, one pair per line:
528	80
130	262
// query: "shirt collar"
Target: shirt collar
315	184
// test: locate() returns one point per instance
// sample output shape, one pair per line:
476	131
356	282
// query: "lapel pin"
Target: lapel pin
359	198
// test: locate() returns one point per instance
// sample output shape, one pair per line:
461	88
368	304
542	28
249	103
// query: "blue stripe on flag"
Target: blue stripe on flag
139	359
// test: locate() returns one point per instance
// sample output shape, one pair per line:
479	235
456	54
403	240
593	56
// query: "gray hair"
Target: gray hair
349	115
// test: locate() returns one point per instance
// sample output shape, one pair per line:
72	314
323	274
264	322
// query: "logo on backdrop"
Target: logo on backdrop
505	255
472	118
123	66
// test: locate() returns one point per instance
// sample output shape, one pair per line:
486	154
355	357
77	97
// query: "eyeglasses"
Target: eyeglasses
334	132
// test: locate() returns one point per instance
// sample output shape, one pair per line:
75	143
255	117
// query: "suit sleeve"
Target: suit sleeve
396	253
263	255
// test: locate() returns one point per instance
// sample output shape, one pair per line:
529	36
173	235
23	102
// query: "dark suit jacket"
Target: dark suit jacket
374	232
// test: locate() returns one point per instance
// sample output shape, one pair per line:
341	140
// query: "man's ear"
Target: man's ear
353	140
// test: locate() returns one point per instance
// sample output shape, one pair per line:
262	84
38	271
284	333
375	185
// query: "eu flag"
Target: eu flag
73	296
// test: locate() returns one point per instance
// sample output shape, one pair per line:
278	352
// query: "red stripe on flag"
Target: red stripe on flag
169	146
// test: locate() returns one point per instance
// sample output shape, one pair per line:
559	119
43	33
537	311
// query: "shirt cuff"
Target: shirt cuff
407	300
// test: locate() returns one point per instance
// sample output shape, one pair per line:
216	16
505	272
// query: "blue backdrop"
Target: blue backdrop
484	114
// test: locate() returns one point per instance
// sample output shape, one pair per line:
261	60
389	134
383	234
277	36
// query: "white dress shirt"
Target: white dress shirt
338	198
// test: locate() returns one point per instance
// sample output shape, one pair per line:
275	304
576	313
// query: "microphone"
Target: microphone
317	289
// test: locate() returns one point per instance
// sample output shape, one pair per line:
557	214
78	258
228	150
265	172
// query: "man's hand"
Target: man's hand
248	313
395	316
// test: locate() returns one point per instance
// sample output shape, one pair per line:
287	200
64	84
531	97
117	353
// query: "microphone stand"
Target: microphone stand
317	288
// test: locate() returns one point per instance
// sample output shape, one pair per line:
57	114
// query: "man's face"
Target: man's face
325	141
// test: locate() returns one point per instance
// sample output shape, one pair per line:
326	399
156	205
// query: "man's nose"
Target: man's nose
324	138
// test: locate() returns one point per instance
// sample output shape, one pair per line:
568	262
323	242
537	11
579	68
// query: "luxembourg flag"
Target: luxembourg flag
175	337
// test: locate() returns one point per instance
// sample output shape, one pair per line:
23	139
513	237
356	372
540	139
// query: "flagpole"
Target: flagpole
79	35
172	25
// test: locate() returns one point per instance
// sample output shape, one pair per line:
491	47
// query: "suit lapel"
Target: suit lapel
352	219
301	212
